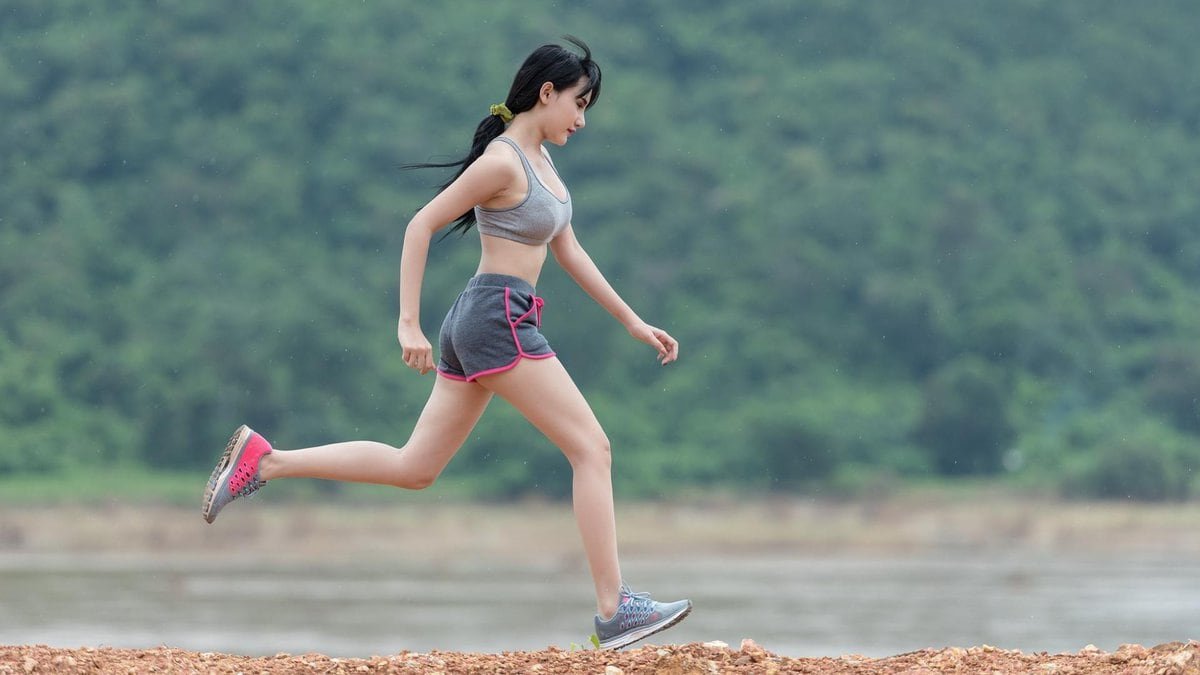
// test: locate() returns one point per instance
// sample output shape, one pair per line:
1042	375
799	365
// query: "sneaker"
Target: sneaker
236	474
637	617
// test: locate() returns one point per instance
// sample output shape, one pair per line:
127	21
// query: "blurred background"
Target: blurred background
934	267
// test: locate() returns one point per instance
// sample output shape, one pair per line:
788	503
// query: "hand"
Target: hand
667	346
418	353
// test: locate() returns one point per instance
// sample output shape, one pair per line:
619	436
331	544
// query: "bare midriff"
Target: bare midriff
503	256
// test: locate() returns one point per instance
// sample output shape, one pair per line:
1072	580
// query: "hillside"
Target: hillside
896	240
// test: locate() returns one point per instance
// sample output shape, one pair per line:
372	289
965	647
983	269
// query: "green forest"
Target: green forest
898	241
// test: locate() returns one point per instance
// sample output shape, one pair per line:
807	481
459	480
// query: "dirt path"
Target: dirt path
1175	658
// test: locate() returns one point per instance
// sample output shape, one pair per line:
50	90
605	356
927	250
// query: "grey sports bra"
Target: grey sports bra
536	220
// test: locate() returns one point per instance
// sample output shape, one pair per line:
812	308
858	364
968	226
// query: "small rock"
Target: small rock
1180	659
717	644
613	670
30	664
1090	649
749	645
951	653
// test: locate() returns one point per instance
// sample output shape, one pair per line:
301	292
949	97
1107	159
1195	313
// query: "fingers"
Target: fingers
416	352
419	359
668	347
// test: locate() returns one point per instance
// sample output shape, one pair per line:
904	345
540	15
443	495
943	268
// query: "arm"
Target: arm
578	264
484	179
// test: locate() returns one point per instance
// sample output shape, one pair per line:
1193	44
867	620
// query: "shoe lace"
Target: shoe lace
627	591
251	487
636	609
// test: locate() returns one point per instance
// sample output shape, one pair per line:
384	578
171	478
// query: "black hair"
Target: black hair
549	63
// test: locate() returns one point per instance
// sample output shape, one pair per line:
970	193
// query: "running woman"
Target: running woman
490	342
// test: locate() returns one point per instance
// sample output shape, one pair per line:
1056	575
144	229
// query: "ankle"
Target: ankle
268	466
607	608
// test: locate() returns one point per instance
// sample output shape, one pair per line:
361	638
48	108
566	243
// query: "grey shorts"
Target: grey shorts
491	327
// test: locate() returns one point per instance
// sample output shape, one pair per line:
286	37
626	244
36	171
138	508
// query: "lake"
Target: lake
792	604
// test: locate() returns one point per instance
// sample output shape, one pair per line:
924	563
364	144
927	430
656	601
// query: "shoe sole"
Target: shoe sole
626	639
220	474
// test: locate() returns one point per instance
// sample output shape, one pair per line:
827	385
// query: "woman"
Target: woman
490	342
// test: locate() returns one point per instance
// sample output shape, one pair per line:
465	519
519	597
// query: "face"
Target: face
565	111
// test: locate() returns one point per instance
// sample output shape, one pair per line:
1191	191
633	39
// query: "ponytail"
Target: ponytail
487	131
548	63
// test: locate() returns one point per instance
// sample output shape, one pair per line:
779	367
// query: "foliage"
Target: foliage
1122	456
964	422
922	237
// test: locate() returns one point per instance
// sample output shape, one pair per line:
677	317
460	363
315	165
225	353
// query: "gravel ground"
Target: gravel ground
1175	658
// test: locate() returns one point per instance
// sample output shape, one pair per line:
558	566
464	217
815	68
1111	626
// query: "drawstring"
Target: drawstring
536	309
538	303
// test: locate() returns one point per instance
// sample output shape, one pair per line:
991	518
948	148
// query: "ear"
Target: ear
545	92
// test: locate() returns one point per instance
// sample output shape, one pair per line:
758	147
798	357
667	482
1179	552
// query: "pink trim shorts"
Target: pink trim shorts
492	325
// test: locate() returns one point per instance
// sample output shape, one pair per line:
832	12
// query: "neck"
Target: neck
526	132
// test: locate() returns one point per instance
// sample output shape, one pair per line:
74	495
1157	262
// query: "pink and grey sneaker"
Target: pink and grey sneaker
236	474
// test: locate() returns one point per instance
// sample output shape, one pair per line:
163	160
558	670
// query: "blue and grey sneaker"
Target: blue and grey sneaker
638	616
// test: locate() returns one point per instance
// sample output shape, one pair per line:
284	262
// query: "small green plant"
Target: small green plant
595	641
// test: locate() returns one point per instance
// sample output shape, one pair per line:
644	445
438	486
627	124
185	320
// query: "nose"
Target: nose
580	122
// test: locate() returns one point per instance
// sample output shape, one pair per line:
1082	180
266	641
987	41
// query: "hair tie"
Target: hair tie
500	110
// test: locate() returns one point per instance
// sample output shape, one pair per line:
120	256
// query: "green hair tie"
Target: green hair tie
500	110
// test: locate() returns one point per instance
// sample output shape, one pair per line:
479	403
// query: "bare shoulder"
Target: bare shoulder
498	156
494	168
500	168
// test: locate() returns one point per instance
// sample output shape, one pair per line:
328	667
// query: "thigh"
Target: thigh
450	414
543	391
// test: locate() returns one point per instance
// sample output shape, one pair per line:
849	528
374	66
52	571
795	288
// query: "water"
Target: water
792	604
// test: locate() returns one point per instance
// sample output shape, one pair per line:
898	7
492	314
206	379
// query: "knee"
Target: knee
420	481
595	451
604	450
402	472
